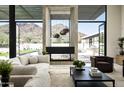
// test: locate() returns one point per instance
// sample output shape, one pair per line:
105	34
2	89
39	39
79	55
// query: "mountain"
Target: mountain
4	35
4	28
30	32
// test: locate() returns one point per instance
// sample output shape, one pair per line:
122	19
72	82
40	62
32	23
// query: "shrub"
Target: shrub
5	67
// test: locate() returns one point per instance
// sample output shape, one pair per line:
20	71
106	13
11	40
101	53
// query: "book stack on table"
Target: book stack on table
94	72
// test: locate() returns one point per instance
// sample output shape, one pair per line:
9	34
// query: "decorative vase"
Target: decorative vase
5	80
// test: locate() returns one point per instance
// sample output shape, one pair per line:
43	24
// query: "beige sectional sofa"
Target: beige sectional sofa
30	71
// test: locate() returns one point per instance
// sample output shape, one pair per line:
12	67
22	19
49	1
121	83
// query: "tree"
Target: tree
4	39
28	39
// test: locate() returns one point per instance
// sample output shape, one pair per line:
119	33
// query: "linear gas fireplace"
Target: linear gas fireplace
63	51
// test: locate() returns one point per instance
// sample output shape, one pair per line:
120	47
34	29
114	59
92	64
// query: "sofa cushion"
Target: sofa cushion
42	77
33	59
43	58
24	60
15	61
43	81
24	70
41	68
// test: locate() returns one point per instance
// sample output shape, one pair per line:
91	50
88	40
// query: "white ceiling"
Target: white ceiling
34	12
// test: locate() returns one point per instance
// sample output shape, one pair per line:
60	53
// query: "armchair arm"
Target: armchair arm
93	61
110	60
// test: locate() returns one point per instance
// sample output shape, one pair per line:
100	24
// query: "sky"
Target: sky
88	28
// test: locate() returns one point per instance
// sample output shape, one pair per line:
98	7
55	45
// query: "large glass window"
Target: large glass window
88	40
60	33
91	35
60	36
4	40
29	38
4	32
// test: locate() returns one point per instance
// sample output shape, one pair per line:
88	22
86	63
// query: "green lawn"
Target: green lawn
21	52
26	51
3	54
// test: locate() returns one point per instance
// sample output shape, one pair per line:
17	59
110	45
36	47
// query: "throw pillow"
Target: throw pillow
24	60
33	60
15	61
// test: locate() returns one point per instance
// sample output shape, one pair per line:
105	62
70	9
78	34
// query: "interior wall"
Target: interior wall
113	29
122	20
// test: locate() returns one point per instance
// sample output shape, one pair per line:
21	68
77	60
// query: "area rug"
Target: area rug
60	77
117	75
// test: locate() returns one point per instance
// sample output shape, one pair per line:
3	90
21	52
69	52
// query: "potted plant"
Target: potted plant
44	52
78	64
5	70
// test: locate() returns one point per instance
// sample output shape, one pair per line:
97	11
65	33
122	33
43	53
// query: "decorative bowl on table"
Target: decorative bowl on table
79	69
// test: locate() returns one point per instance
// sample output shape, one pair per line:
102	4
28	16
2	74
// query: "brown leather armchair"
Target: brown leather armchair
103	63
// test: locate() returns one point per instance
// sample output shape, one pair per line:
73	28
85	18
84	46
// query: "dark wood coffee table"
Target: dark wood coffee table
83	76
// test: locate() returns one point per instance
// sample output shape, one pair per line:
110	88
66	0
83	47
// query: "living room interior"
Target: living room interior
43	43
